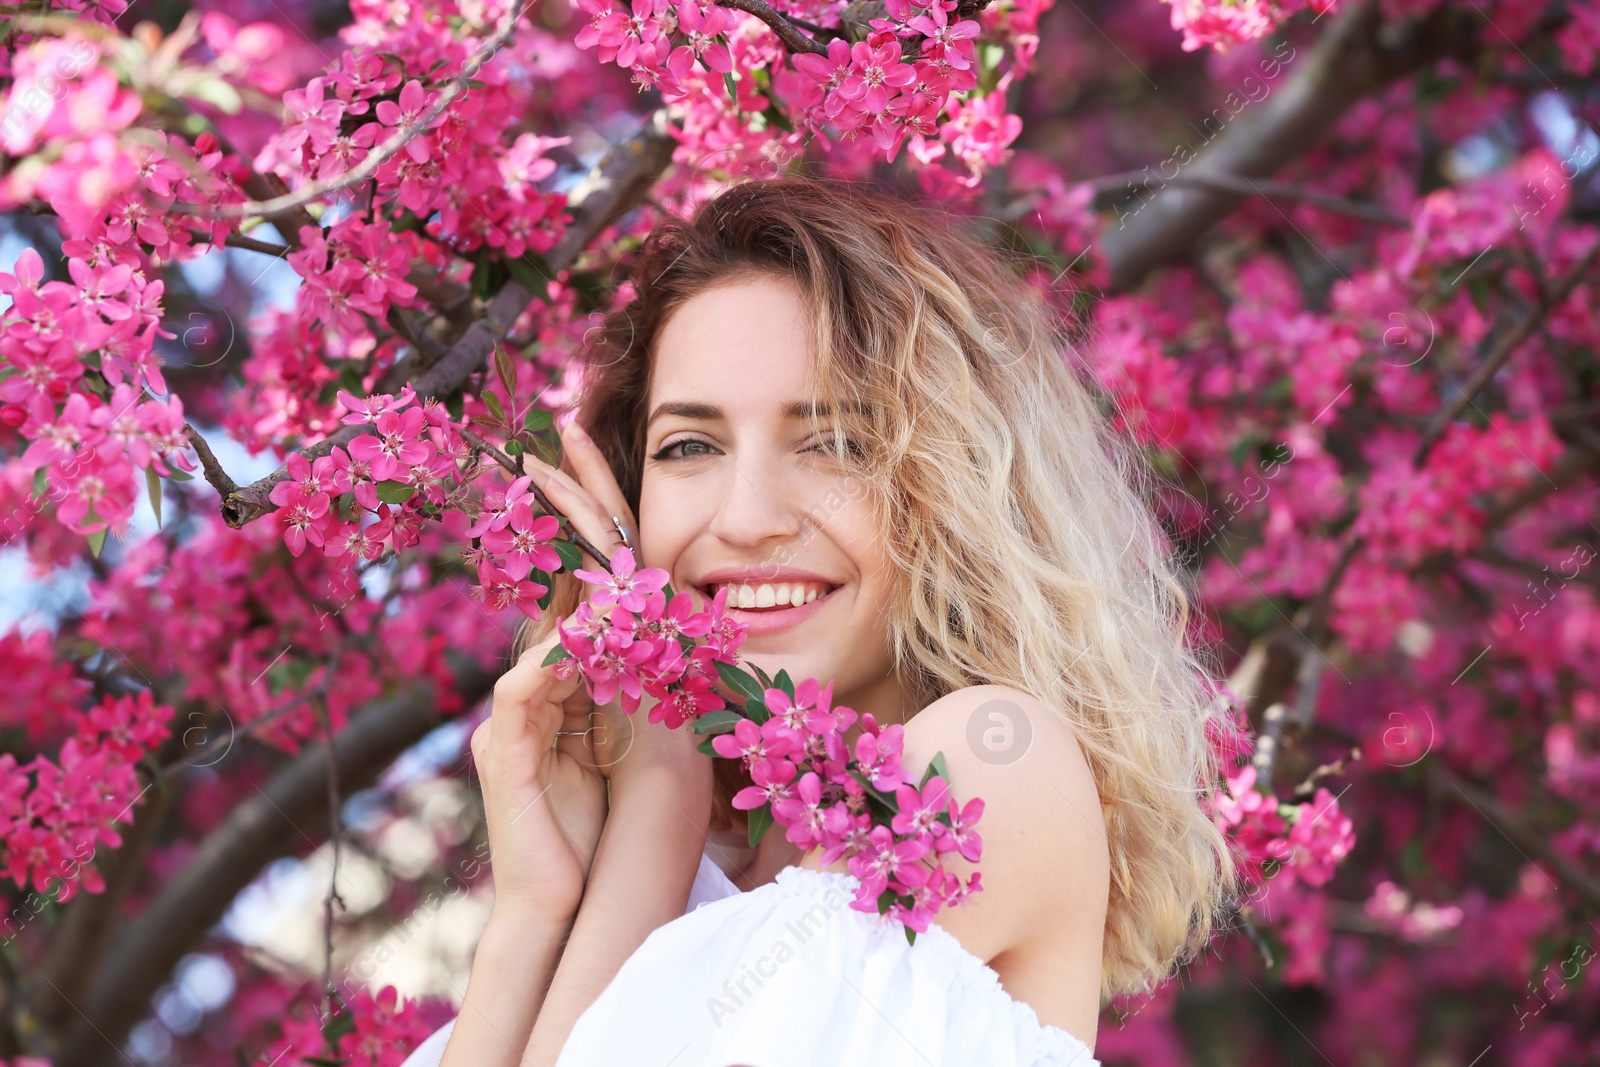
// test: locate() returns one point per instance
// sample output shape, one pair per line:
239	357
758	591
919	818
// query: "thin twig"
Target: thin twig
787	32
1307	786
509	464
1509	342
1231	906
335	832
208	462
250	244
1105	186
381	153
1524	837
613	186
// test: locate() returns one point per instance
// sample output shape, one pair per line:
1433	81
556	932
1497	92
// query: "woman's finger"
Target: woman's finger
595	474
588	518
576	739
520	692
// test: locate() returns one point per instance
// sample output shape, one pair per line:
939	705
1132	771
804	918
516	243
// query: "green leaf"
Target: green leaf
179	475
717	722
338	1026
1243	447
556	655
505	371
760	821
41	481
350	377
756	711
152	484
492	402
911	935
212	90
288	673
706	747
731	84
481	281
886	804
456	405
537	419
535	279
97	541
392	492
936	766
513	447
775	117
740	682
571	555
785	683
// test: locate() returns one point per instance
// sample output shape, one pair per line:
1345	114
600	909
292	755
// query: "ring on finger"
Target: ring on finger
616	521
556	744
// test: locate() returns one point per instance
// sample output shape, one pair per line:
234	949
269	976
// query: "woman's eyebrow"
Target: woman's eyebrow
689	409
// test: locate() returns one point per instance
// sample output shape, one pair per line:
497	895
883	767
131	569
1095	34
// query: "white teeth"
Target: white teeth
768	595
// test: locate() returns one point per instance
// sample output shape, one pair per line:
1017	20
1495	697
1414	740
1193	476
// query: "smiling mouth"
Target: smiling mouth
746	597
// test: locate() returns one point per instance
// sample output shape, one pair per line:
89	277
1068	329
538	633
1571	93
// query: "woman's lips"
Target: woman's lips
771	620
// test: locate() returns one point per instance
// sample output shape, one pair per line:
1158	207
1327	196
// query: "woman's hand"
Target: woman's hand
543	798
624	747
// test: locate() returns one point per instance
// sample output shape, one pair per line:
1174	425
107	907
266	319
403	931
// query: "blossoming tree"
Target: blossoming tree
1331	264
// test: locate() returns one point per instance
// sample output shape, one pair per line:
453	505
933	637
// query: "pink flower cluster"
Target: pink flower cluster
1217	25
410	450
358	267
91	441
1412	513
855	802
1302	841
899	82
828	795
55	813
376	1030
457	173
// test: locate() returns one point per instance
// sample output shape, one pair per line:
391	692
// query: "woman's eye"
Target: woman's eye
849	443
666	452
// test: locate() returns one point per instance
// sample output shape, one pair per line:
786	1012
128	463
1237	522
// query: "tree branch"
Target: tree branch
250	244
1357	55
1509	342
219	479
787	32
259	829
380	153
509	465
1527	840
616	184
1105	189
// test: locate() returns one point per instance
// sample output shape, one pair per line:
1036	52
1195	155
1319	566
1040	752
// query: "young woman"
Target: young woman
867	424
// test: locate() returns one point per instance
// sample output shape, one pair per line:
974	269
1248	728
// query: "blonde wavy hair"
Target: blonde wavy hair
1016	518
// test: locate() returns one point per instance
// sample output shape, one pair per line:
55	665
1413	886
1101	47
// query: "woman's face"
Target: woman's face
740	489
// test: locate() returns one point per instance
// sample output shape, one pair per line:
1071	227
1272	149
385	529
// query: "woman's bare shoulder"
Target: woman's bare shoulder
1045	861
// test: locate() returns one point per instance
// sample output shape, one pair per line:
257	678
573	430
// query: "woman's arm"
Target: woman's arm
643	871
510	973
544	805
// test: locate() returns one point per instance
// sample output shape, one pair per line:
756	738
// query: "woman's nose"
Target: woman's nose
754	510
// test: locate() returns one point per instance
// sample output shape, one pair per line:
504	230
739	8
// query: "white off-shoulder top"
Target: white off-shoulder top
789	975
